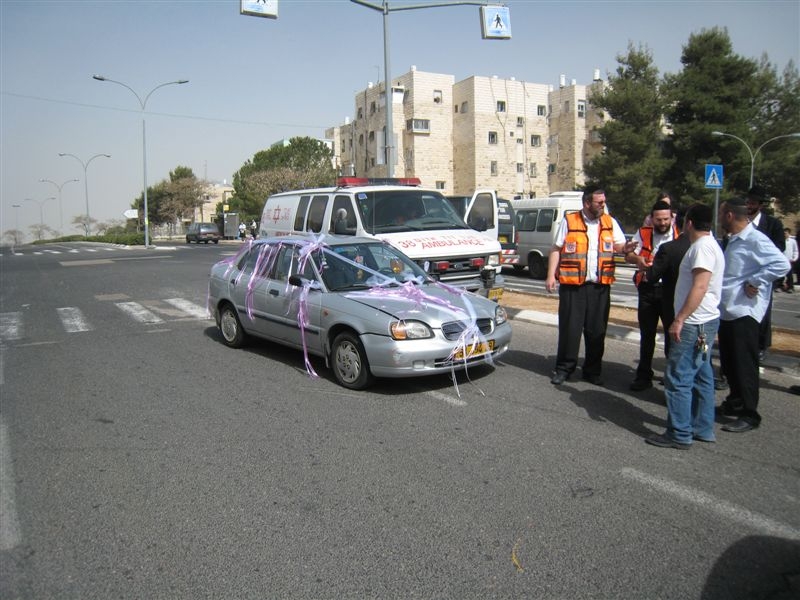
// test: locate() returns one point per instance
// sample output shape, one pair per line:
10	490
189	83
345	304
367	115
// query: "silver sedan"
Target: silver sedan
365	307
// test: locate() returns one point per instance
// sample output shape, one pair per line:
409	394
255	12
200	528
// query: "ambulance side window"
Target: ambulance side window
316	213
545	222
343	216
300	216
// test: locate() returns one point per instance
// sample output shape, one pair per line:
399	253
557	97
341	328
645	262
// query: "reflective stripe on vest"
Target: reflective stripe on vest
572	265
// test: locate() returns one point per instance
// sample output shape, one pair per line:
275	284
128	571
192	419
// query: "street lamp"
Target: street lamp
142	104
60	205
85	166
41	212
16	208
754	154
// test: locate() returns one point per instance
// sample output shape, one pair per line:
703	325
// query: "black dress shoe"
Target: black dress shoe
594	379
559	378
740	426
640	384
729	409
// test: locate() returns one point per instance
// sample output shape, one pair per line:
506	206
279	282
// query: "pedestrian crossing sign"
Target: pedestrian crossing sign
714	177
495	22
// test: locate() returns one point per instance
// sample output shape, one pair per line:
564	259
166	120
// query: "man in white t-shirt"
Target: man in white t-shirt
689	378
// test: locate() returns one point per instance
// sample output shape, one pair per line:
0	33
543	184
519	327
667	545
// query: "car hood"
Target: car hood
434	303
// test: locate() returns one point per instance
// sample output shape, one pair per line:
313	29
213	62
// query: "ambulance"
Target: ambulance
420	223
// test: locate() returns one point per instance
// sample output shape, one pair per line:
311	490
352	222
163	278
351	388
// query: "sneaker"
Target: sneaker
664	441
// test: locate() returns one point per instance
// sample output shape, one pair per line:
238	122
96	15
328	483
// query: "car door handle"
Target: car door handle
274	293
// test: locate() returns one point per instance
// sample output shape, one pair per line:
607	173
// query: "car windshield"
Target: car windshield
365	265
389	211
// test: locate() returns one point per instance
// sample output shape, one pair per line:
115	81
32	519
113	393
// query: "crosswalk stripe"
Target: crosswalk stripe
73	320
139	312
188	307
9	325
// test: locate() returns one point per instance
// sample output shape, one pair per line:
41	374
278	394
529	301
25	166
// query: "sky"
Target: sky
254	81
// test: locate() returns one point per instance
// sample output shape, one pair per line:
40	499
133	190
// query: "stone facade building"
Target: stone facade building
521	139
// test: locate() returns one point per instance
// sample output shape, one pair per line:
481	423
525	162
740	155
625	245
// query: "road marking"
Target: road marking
9	521
446	398
723	508
84	263
139	312
189	308
9	325
73	320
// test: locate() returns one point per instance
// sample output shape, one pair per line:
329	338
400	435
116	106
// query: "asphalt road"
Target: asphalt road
141	458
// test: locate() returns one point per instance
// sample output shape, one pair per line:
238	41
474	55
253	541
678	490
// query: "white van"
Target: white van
420	223
537	222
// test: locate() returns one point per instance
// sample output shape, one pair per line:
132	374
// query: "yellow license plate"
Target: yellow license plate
475	349
495	294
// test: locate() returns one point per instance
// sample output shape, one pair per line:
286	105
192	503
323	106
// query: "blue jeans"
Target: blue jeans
689	385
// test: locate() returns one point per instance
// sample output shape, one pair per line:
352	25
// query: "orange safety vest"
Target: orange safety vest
572	266
646	233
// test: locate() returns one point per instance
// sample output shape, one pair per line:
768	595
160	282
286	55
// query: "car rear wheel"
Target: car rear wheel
188	241
216	241
349	362
230	327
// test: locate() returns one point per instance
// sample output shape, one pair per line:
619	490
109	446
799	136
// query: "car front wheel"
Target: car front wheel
230	327
349	362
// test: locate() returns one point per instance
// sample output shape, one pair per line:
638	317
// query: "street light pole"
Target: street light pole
60	205
143	104
754	154
41	212
384	8
85	166
16	208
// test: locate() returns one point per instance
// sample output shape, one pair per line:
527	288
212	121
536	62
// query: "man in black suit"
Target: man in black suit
773	229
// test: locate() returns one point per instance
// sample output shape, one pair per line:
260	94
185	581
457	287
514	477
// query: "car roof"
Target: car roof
357	189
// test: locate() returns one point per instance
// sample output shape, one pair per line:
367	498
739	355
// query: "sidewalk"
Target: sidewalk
774	361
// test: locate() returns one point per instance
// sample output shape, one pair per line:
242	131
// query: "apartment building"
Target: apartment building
521	139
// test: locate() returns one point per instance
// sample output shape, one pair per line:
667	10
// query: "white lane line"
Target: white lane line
717	505
455	401
9	521
73	320
190	308
139	312
10	325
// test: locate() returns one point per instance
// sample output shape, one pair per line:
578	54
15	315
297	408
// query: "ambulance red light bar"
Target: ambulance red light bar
363	181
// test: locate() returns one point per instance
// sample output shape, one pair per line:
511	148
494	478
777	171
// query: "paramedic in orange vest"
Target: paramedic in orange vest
582	258
651	294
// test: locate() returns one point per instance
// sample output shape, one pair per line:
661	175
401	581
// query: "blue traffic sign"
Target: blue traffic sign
714	177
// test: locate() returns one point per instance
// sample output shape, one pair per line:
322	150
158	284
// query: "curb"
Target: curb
776	362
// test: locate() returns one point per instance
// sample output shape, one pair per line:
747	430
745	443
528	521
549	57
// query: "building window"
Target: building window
520	121
437	96
520	168
361	139
493	167
510	134
533	171
536	141
581	108
553	139
501	106
551	168
520	140
360	112
541	110
464	107
372	108
440	185
371	136
492	137
418	125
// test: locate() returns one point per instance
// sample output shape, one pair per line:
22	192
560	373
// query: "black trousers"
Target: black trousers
738	353
582	310
652	308
765	327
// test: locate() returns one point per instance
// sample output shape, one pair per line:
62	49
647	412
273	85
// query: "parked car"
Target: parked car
360	303
202	232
